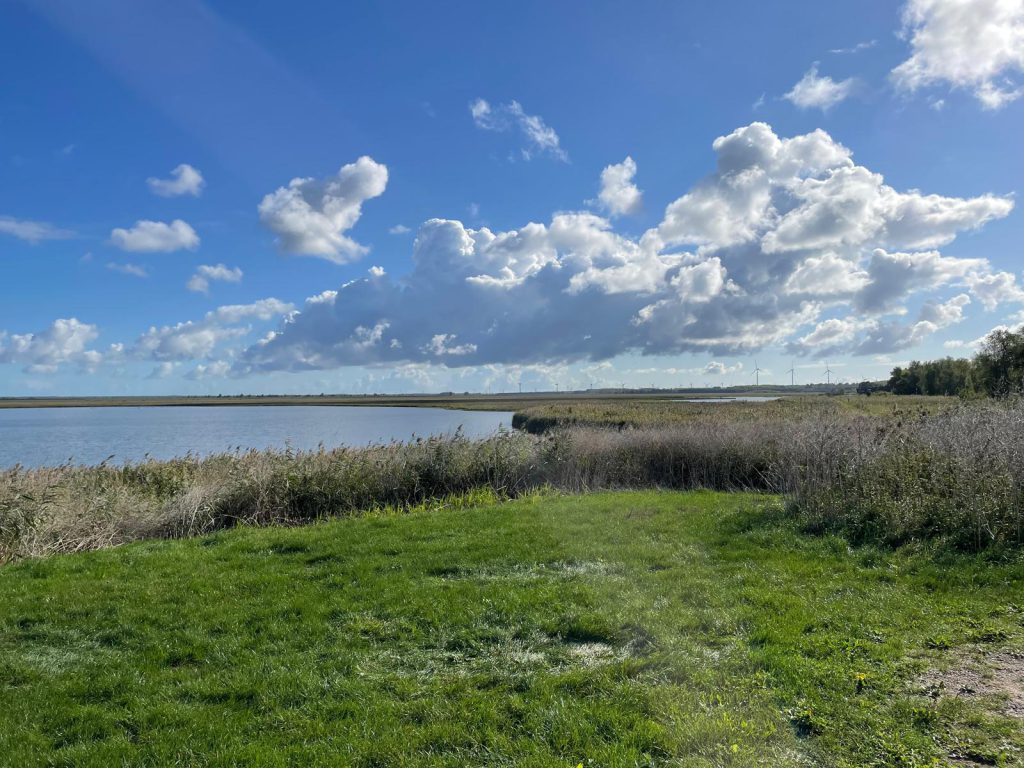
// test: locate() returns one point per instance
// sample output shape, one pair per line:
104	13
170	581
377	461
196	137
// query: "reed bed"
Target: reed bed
955	475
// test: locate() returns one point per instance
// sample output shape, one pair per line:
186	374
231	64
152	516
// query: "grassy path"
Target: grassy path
613	630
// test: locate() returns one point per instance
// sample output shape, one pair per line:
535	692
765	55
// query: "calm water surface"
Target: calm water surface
39	437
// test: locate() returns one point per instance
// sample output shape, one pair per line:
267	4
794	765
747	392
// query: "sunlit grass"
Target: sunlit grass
611	629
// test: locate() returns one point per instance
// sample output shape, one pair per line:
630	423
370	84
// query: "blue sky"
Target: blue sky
859	205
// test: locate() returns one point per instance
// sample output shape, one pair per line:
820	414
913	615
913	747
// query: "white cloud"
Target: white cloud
200	281
619	195
64	341
201	339
975	45
399	229
785	228
156	236
32	231
791	244
972	345
127	269
216	370
891	336
827	275
310	217
862	46
815	91
441	344
162	371
185	180
893	276
716	368
264	309
540	137
995	288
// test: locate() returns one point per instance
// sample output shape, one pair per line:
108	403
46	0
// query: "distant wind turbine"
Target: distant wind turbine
757	375
792	375
828	373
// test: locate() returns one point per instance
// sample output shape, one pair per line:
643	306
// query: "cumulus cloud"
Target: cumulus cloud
716	368
787	243
185	180
200	281
785	227
815	91
399	229
996	288
64	341
975	45
32	231
891	336
310	217
619	195
162	371
973	345
200	340
879	336
893	276
215	370
156	236
540	137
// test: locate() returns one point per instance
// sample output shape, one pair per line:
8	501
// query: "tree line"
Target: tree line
996	370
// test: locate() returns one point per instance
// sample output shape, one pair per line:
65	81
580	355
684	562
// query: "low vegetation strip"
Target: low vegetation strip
614	629
538	418
954	474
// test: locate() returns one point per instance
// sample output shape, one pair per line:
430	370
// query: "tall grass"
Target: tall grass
955	474
71	508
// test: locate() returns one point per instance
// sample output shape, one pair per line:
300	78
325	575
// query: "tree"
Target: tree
999	364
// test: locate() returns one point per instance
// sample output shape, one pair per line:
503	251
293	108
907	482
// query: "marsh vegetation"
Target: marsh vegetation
877	469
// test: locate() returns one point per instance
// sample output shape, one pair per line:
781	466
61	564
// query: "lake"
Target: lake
40	437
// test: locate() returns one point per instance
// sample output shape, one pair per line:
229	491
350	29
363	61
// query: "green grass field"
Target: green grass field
619	629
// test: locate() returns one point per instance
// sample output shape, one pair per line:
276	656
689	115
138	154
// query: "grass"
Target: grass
616	629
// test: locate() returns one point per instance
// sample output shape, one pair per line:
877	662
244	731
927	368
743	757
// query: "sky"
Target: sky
247	197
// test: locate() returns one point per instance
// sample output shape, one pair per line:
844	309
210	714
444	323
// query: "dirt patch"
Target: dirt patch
998	676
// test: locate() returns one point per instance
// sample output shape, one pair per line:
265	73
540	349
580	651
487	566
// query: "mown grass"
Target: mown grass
616	629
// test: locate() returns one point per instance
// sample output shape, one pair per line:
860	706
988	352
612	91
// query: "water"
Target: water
740	399
40	437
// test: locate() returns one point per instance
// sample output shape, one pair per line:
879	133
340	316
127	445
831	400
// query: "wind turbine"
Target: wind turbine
828	373
792	375
757	375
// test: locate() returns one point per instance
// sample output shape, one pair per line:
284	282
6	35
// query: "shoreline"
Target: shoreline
499	402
